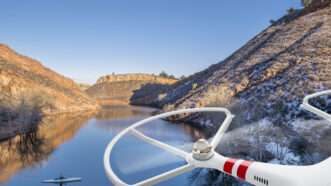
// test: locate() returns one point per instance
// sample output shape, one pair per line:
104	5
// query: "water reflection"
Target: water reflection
111	113
74	145
33	147
30	147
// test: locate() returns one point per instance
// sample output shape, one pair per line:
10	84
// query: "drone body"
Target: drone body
266	174
204	156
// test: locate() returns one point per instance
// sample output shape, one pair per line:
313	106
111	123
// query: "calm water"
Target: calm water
74	146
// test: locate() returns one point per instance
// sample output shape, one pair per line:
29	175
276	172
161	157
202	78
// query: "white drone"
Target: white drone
203	155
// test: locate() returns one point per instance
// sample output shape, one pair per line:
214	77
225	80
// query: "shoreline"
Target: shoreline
14	128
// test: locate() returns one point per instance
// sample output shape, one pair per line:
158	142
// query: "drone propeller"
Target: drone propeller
203	155
173	150
151	159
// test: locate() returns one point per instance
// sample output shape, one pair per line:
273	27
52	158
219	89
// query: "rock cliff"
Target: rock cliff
118	89
135	77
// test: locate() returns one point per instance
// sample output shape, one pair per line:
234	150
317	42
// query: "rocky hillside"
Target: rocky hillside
118	89
22	77
28	90
269	75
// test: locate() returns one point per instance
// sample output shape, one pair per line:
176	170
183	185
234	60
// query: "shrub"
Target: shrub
272	21
290	11
166	75
163	74
194	86
182	77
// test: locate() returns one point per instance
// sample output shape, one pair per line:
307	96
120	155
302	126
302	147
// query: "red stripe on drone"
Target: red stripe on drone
242	169
228	165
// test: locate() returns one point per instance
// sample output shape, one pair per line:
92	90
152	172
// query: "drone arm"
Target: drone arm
315	110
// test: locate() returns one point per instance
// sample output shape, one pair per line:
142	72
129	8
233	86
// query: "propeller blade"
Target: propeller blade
173	150
164	146
152	160
167	175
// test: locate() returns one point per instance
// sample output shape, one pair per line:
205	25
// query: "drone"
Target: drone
203	155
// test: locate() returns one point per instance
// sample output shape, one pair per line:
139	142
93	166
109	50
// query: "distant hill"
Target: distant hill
118	89
29	90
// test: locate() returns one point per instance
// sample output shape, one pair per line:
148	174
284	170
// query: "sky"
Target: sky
85	39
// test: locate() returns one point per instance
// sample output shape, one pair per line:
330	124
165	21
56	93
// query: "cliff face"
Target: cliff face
23	79
118	89
135	77
268	76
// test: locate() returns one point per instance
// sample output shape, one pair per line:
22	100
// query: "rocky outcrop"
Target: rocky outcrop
22	78
118	89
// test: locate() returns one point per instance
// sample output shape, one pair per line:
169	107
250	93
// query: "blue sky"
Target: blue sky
84	39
